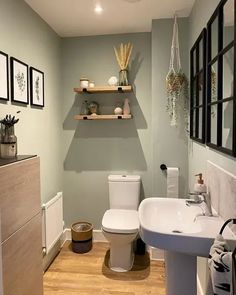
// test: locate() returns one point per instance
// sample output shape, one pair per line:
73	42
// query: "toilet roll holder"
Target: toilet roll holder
163	167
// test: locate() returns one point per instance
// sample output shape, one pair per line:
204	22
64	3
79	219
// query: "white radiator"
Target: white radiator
52	222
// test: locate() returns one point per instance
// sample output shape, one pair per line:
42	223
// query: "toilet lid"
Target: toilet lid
120	221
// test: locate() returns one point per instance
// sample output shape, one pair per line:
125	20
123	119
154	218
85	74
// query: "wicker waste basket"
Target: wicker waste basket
82	237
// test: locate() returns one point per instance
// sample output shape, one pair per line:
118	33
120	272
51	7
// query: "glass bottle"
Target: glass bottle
123	78
85	108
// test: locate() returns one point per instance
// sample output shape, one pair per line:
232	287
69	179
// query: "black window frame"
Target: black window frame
195	73
219	13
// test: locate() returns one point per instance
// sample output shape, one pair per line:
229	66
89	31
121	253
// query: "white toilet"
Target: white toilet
120	224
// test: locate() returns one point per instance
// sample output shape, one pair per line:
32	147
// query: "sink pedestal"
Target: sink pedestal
181	274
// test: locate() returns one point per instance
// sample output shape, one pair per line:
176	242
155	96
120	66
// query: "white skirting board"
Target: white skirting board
156	254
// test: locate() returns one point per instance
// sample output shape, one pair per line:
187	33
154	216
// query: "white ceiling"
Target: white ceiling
77	18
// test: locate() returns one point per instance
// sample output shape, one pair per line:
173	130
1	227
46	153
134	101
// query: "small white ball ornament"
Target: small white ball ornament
113	81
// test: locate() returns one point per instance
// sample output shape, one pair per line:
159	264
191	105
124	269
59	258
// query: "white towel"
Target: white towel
221	267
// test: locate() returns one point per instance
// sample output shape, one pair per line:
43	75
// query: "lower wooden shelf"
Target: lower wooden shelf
102	117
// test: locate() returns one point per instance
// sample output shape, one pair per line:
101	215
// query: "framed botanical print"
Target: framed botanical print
4	82
19	81
36	87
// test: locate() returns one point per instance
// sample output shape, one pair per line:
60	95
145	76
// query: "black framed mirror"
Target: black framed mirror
221	77
198	88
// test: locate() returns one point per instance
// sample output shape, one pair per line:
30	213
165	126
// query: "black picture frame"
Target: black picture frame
36	87
198	88
4	76
217	58
19	81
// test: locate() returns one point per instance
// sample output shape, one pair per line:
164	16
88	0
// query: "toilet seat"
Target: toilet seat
120	221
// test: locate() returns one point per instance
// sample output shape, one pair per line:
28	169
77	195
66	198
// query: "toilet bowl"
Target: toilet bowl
120	228
120	224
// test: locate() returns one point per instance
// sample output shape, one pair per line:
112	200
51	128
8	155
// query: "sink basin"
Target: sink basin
170	224
184	234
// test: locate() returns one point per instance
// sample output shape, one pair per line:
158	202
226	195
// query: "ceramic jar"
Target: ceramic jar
84	83
91	84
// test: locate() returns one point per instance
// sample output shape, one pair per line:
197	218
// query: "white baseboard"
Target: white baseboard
48	259
98	236
199	287
156	254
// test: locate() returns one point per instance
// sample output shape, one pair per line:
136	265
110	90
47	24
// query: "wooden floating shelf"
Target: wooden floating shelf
103	117
104	89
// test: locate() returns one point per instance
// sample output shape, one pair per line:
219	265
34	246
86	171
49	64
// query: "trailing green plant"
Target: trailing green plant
177	96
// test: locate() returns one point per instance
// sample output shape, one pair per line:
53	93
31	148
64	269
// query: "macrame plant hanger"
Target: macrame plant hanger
175	55
175	79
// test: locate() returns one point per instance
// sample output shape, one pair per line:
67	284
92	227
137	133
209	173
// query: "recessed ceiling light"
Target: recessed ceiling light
98	9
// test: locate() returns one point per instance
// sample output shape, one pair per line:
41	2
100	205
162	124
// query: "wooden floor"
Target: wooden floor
84	274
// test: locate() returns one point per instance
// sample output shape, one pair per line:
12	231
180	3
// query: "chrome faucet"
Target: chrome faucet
207	200
199	199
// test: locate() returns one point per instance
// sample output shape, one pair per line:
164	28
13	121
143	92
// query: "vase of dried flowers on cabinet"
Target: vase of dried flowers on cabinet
8	139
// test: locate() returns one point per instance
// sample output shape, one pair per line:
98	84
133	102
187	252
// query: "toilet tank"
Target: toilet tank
124	191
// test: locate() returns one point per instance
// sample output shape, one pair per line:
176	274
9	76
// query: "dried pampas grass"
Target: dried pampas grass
123	55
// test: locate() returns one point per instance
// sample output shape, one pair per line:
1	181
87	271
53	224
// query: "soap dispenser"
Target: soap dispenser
199	186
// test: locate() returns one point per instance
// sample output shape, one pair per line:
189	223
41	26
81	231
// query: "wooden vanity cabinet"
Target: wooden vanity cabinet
21	228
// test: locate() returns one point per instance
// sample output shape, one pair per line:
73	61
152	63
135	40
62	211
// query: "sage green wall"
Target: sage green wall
94	149
26	37
198	153
170	144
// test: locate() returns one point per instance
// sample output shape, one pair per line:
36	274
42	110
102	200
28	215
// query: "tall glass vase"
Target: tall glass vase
123	78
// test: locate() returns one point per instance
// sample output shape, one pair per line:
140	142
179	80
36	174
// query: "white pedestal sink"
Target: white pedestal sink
180	273
171	225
